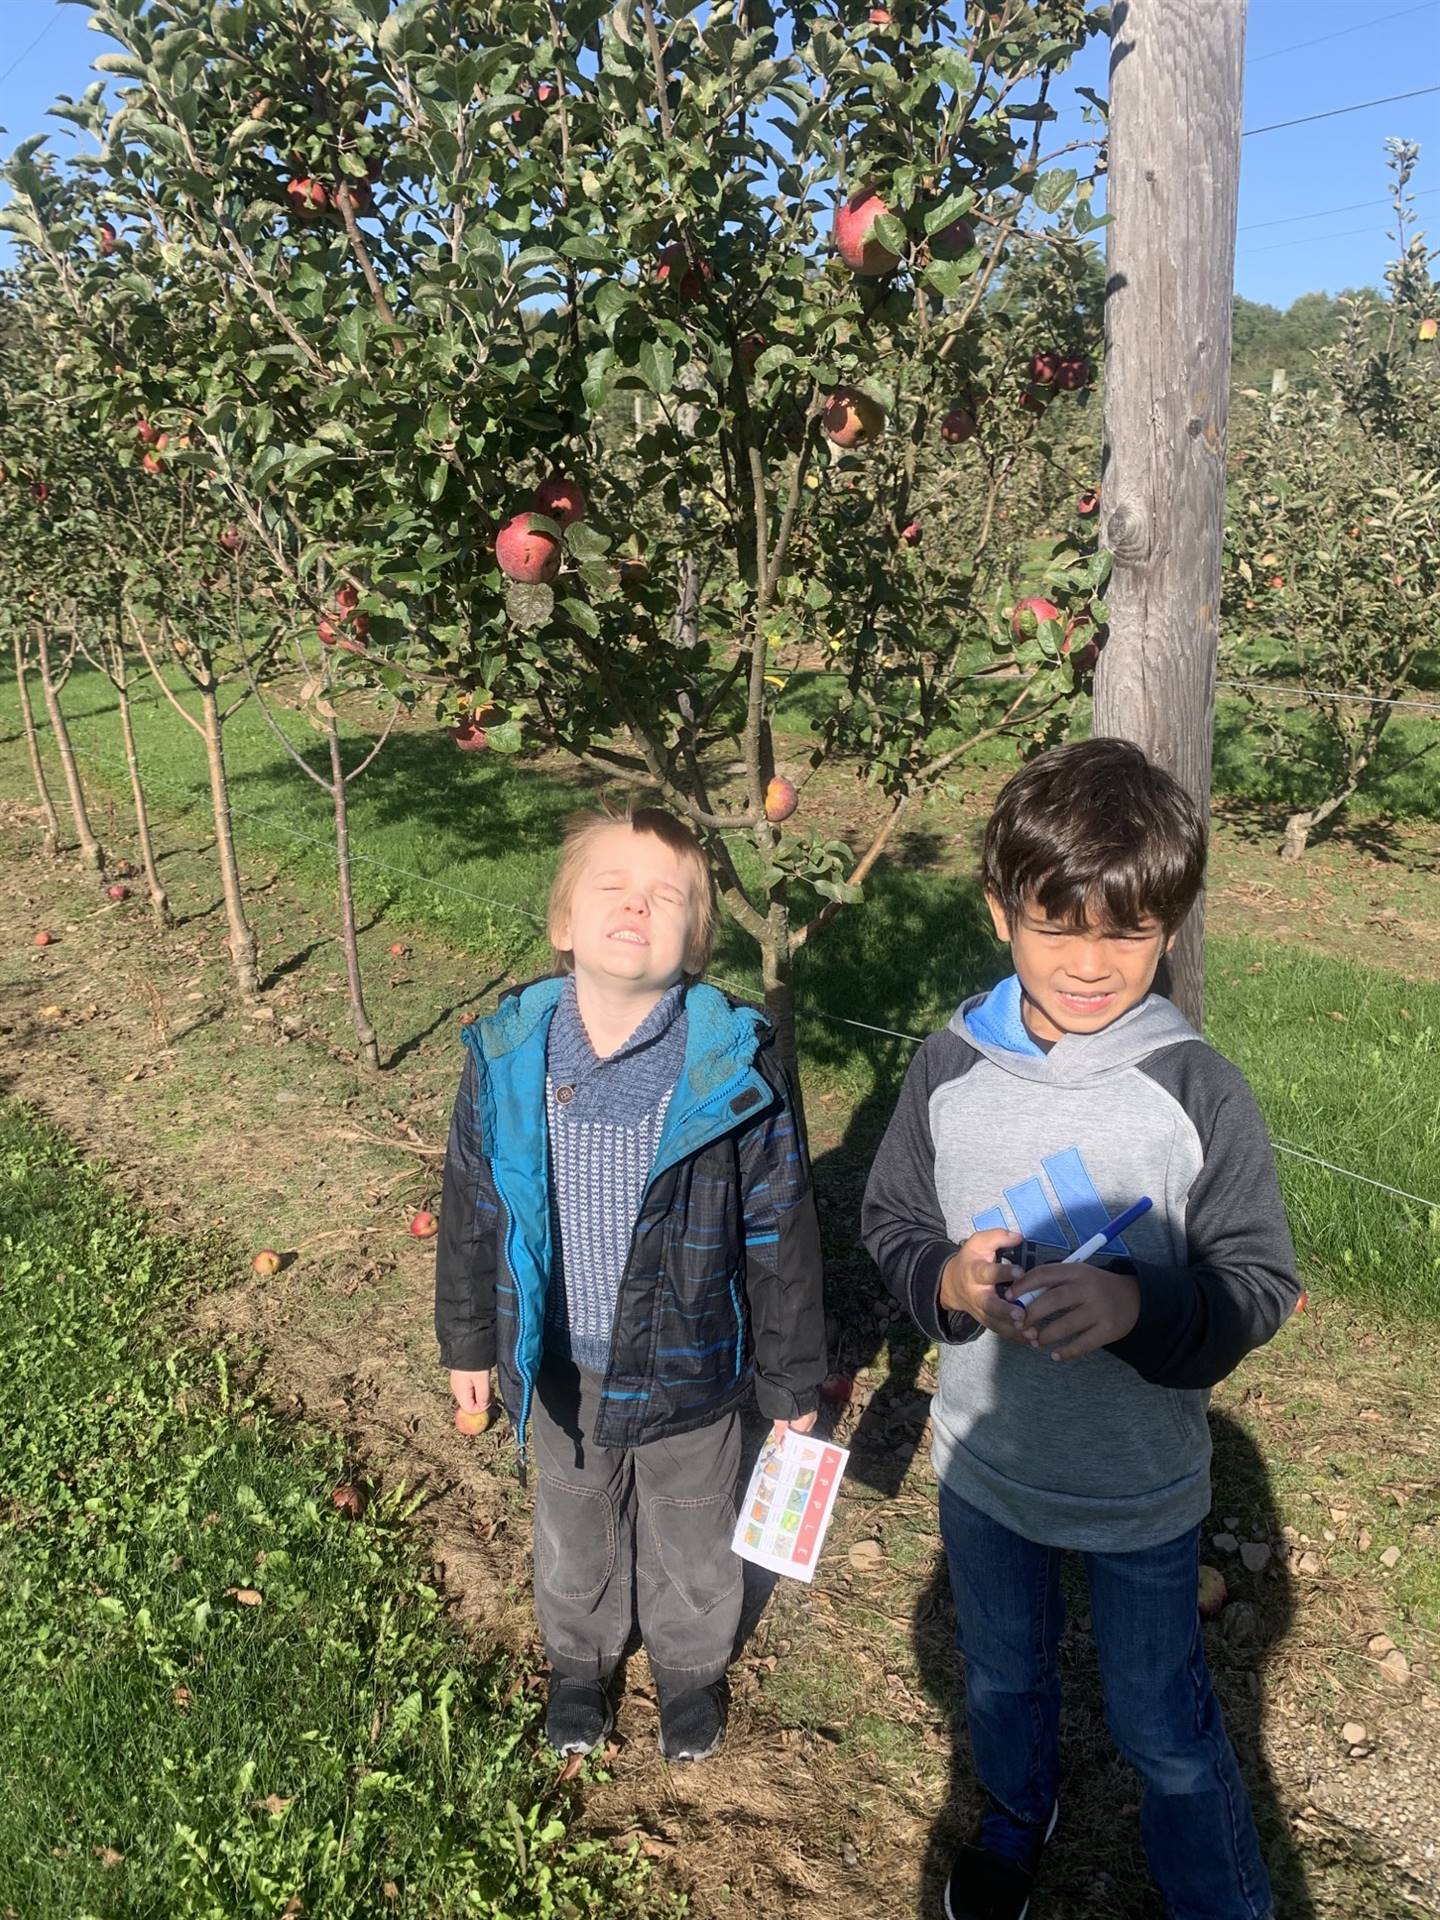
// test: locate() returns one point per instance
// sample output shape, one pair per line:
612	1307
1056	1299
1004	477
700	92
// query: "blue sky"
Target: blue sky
1303	56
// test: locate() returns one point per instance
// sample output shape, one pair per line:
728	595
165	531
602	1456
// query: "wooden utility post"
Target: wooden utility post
1175	94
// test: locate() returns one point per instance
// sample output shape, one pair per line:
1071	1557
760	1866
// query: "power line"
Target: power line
1307	240
1332	113
1361	26
1324	213
22	57
1316	693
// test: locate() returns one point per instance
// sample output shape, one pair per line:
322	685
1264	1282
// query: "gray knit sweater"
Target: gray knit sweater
605	1120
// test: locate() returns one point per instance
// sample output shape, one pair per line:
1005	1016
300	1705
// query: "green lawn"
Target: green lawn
1344	1059
221	1696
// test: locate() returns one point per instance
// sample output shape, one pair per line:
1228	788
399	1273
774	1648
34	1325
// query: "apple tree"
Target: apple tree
1333	541
611	357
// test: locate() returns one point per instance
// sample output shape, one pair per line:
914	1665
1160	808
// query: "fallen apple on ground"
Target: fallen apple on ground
117	892
349	1500
399	949
44	939
424	1226
265	1263
836	1389
1213	1592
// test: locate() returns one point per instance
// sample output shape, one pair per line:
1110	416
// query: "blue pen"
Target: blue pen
1111	1230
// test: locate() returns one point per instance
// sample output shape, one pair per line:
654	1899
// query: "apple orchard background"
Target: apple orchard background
416	422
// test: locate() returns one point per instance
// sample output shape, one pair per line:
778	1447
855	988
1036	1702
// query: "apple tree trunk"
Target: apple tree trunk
364	1030
50	832
1174	165
159	900
243	953
92	855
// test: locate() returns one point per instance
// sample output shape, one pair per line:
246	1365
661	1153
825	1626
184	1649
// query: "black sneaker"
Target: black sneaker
989	1884
578	1716
692	1724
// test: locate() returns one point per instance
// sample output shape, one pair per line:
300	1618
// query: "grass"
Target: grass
1342	1058
222	1697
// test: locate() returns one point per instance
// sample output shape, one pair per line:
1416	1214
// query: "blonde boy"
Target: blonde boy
628	1241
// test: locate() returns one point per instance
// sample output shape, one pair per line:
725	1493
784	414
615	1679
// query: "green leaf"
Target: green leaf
586	542
1053	189
350	337
506	738
891	233
950	209
529	605
580	615
657	367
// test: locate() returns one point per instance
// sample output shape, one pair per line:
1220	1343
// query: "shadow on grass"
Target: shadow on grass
1095	1866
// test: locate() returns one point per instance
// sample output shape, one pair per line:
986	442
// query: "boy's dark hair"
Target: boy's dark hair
1094	834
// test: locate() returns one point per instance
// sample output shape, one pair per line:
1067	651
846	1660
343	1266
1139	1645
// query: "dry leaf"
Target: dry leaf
272	1803
866	1555
245	1596
181	1697
108	1857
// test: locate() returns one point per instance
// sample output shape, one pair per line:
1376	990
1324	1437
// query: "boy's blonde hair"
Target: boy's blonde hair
581	829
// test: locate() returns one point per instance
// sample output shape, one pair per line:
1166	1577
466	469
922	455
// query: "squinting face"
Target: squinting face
1077	979
631	913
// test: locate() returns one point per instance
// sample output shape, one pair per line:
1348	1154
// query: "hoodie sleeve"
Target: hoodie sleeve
901	1222
465	1252
1238	1286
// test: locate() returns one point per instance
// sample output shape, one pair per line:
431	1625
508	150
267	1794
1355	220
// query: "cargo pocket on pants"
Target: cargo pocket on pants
575	1540
691	1540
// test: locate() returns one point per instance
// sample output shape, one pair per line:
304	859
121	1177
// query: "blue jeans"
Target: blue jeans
1195	1817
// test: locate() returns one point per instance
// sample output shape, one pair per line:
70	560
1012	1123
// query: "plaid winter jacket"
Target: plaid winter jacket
722	1284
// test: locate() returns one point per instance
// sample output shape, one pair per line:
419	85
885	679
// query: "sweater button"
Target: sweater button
564	1095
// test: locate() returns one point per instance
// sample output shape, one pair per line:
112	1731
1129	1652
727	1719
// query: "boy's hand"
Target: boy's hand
471	1390
970	1278
780	1428
1080	1309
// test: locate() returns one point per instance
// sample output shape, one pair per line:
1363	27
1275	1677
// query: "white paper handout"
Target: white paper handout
787	1504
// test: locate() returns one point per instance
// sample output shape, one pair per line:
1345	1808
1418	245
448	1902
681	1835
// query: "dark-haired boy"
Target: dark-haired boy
1046	1107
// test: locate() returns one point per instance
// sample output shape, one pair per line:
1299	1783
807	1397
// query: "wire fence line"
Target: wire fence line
810	1013
1319	693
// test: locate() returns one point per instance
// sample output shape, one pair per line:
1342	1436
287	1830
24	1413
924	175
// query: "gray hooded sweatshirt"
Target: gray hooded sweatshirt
1111	1452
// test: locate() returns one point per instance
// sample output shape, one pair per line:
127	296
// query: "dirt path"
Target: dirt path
839	1762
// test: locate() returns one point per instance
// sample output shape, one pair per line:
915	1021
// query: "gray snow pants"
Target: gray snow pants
642	1529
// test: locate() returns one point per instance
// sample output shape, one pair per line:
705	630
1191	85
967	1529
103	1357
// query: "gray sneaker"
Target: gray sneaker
692	1724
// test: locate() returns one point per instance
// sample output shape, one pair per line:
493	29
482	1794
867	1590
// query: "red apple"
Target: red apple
1088	503
836	1389
1040	611
108	239
424	1226
44	939
151	464
1277	581
117	892
1045	367
546	92
524	554
851	417
307	196
750	349
1033	400
231	540
326	633
1074	374
40	492
399	949
347	598
781	800
1303	1302
349	1500
360	625
911	535
952	241
560	498
1213	1592
632	575
265	1263
957	425
863	254
1427	329
679	274
879	16
476	1422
